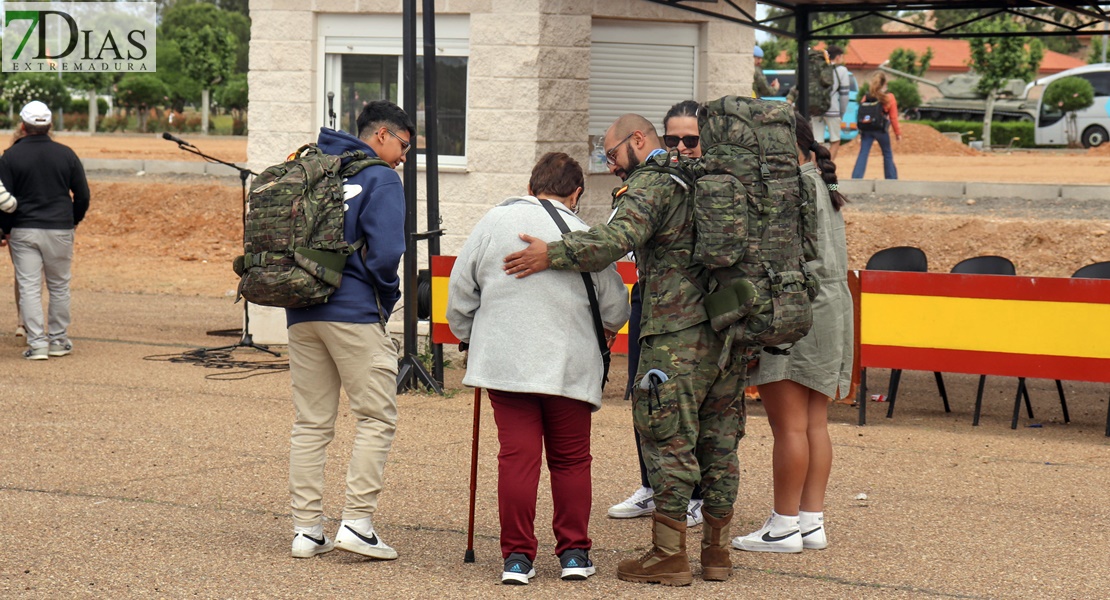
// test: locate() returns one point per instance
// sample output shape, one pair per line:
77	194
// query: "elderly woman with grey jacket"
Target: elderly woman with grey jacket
533	346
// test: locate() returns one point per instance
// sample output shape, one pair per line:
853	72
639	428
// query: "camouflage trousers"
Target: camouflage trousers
690	425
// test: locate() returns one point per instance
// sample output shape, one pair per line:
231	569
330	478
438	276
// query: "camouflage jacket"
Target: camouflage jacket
760	87
652	217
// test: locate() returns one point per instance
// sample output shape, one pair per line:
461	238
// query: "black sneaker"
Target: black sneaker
577	565
518	570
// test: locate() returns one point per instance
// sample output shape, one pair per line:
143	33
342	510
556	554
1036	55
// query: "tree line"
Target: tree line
202	52
995	59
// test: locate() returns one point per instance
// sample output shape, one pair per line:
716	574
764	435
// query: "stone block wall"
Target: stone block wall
528	89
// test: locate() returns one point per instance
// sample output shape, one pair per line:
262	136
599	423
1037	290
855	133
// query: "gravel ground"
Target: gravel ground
1059	209
129	478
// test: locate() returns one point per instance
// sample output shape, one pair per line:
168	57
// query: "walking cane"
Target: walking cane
473	476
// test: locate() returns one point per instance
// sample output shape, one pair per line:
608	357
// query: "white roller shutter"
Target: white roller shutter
628	75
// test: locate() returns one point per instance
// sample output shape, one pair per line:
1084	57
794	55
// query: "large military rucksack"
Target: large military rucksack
822	78
294	250
756	223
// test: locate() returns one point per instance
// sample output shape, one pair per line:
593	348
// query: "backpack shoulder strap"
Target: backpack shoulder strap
360	161
672	165
591	293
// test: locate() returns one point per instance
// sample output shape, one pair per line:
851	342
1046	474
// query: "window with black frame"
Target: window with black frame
366	78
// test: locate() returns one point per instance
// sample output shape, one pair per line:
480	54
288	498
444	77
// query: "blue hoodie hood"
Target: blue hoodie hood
338	142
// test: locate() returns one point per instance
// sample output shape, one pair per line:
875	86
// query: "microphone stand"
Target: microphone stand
331	109
247	341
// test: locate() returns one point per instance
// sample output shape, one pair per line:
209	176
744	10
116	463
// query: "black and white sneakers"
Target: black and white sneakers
786	534
576	564
812	525
518	570
358	536
779	534
310	541
641	503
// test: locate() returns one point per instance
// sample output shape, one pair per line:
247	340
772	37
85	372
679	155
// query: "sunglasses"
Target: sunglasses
690	141
611	154
405	144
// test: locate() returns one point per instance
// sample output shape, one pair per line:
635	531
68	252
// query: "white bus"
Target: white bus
1093	123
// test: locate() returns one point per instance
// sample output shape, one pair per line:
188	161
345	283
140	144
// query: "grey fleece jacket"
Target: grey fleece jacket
536	334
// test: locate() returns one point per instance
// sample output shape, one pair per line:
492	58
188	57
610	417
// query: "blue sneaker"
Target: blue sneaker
577	565
518	570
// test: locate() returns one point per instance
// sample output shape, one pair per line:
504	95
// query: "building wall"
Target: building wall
528	72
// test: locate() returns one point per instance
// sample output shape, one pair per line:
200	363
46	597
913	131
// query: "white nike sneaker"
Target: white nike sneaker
641	503
778	534
693	513
310	541
358	536
813	531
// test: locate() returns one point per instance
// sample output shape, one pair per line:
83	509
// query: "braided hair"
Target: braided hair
820	155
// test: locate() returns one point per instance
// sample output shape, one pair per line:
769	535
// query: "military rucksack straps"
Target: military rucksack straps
353	167
591	293
672	165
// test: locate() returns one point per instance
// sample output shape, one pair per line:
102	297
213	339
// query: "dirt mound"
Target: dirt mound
1101	150
178	234
154	236
1046	248
918	139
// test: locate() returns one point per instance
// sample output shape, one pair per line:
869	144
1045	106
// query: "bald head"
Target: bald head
628	142
631	122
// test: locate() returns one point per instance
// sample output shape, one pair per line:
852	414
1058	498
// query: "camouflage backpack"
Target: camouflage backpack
822	77
294	250
756	223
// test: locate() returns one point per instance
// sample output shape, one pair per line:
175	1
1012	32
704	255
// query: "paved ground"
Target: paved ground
122	477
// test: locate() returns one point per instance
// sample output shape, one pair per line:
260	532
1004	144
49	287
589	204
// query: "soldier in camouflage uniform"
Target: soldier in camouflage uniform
760	87
690	424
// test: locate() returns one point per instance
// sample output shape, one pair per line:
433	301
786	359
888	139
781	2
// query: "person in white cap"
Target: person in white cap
53	194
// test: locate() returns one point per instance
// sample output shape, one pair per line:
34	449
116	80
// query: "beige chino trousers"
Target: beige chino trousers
323	357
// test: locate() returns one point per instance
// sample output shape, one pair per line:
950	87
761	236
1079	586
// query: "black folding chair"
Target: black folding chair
991	265
905	259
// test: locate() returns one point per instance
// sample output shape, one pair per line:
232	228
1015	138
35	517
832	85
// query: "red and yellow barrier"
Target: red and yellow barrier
1050	328
441	273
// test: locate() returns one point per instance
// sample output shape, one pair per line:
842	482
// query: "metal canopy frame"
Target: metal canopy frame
802	12
1089	15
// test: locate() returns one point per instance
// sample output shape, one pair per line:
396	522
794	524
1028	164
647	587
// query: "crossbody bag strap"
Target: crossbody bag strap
359	248
591	293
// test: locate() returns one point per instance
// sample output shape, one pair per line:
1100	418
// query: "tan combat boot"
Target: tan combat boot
716	564
666	562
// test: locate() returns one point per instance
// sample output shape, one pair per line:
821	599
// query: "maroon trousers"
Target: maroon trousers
526	423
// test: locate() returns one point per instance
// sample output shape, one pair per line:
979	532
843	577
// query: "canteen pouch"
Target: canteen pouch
729	304
788	316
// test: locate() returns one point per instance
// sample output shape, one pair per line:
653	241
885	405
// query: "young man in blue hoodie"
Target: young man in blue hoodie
343	343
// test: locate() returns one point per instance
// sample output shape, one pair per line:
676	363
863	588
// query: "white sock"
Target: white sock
783	523
809	520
